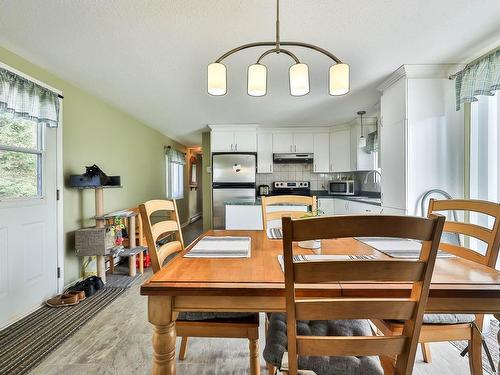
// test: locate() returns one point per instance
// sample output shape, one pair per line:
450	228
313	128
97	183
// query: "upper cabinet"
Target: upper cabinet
321	153
293	142
340	151
264	153
282	143
222	141
233	141
303	143
245	141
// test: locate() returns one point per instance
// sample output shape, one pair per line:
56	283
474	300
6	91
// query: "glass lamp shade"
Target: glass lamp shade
339	79
216	79
299	79
257	80
362	142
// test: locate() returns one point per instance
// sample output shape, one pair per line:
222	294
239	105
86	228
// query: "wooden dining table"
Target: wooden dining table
256	284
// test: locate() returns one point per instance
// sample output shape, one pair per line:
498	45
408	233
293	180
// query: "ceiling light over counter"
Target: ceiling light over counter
298	73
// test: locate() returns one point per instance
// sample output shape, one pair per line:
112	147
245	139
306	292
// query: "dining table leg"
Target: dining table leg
162	318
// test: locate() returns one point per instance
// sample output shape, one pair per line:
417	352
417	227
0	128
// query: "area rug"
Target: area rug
27	342
491	341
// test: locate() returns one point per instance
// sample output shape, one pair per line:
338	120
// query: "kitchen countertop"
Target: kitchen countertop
374	200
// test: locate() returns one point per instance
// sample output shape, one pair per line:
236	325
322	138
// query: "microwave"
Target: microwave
345	187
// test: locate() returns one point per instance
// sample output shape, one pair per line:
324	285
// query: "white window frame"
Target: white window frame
39	151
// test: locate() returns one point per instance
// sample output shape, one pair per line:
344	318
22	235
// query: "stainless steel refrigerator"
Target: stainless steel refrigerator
233	179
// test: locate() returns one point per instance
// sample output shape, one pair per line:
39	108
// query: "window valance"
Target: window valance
24	98
175	156
479	78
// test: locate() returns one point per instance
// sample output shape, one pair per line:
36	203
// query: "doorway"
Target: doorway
29	235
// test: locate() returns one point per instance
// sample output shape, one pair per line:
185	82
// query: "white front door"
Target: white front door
28	217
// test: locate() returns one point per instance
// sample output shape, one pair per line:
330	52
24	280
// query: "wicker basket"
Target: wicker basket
93	241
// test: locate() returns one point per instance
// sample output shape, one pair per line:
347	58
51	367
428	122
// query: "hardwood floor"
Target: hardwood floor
118	341
192	231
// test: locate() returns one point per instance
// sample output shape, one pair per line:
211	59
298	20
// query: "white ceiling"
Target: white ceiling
149	57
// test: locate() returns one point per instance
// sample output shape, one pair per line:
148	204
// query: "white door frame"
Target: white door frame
59	174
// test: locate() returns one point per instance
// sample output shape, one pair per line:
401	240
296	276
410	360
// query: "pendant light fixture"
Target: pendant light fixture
362	139
298	73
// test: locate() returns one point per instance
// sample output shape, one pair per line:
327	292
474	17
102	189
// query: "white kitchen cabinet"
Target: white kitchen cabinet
360	208
340	151
264	153
326	206
282	143
222	141
420	135
303	143
245	141
321	153
231	141
293	142
340	206
347	207
393	183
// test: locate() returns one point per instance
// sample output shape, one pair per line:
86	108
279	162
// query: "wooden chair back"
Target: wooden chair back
411	310
284	200
160	229
489	236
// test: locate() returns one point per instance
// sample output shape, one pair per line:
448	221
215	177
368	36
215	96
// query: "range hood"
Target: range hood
293	158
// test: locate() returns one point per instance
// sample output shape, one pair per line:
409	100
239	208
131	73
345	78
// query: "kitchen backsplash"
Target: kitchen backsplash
319	181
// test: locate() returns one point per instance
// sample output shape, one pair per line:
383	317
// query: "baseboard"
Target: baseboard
195	217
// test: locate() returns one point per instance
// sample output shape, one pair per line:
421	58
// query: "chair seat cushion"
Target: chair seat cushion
276	346
197	316
448	318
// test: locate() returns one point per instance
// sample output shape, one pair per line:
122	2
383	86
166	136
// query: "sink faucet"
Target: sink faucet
374	173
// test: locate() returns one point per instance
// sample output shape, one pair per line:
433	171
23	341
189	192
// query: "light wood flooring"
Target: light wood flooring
118	341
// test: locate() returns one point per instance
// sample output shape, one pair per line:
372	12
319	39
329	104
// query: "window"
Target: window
175	174
21	155
484	157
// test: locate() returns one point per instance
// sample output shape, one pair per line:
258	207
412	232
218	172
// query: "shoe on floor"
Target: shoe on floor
63	300
79	293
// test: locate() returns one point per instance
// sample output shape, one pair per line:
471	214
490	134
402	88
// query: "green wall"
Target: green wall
206	181
95	132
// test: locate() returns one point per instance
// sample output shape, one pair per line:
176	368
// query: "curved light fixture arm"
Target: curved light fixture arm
296	44
274	50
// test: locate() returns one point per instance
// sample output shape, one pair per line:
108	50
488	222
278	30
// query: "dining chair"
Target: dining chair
452	327
329	334
285	200
193	324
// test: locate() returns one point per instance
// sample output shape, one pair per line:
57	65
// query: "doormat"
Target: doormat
491	341
24	344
